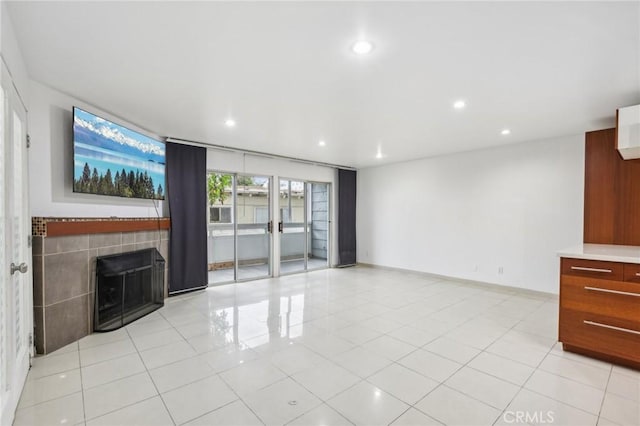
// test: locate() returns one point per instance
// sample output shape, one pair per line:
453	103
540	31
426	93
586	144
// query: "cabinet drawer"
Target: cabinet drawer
592	268
601	334
616	299
632	273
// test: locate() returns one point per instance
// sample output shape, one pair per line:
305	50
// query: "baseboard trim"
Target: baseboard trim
499	287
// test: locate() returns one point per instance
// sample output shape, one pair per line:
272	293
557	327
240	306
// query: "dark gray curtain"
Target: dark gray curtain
347	217
187	193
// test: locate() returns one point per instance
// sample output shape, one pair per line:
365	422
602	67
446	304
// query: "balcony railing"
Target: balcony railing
254	243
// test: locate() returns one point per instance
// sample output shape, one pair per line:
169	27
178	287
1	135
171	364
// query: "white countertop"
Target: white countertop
609	252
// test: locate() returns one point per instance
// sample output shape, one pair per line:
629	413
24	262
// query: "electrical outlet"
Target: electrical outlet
476	268
500	270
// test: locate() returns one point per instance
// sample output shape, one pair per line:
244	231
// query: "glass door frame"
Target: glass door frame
269	228
307	230
234	207
329	215
281	224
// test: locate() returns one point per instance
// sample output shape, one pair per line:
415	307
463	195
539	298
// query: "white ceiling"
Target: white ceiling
285	72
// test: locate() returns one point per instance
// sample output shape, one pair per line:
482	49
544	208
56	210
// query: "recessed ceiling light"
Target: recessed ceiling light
459	104
230	122
505	132
322	143
362	47
379	155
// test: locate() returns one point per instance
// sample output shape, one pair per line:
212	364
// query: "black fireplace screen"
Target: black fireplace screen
128	286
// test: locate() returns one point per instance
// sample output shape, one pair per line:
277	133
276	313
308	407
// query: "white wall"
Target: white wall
51	162
225	161
11	55
511	207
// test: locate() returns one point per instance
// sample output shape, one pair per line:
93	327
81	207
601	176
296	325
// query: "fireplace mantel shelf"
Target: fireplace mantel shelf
56	226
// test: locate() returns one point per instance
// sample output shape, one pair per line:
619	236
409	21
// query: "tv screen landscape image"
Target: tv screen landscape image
110	159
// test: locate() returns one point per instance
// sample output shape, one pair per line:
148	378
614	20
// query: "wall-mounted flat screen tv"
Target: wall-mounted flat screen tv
110	159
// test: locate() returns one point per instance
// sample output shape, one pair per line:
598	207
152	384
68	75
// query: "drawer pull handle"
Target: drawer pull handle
605	290
597	324
582	268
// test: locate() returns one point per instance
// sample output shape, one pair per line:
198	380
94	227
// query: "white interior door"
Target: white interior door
16	298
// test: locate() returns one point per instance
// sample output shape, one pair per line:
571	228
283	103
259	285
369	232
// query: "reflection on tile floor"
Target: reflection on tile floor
334	347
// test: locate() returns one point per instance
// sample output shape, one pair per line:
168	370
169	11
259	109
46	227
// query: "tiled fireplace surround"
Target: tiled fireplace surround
64	269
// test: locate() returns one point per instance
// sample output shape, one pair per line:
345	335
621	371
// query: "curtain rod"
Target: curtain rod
257	153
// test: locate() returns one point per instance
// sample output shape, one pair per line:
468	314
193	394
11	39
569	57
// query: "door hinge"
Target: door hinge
28	141
29	241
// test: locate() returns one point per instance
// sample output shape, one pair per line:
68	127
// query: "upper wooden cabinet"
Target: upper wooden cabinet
628	132
611	192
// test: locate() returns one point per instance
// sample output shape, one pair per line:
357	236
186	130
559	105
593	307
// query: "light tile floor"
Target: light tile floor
335	347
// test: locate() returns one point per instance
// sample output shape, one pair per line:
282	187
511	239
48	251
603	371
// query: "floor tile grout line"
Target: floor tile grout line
604	394
84	406
108	359
238	398
571	379
49	376
467	365
523	387
104	343
561	402
534	369
121	408
322	400
221	407
152	381
52	374
582	361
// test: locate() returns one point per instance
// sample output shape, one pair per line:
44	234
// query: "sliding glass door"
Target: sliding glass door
293	243
239	233
253	227
240	226
221	236
303	225
318	225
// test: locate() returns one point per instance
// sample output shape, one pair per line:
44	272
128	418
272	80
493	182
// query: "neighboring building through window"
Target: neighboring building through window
261	214
220	214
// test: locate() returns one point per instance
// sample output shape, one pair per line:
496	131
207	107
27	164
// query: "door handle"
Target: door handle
22	268
280	227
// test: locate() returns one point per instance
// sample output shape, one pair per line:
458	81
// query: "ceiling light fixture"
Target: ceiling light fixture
505	132
362	47
379	155
230	122
459	104
322	143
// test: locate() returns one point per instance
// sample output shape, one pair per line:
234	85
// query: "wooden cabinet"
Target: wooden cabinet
600	309
611	192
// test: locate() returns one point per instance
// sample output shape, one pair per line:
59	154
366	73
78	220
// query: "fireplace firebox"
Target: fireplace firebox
128	286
